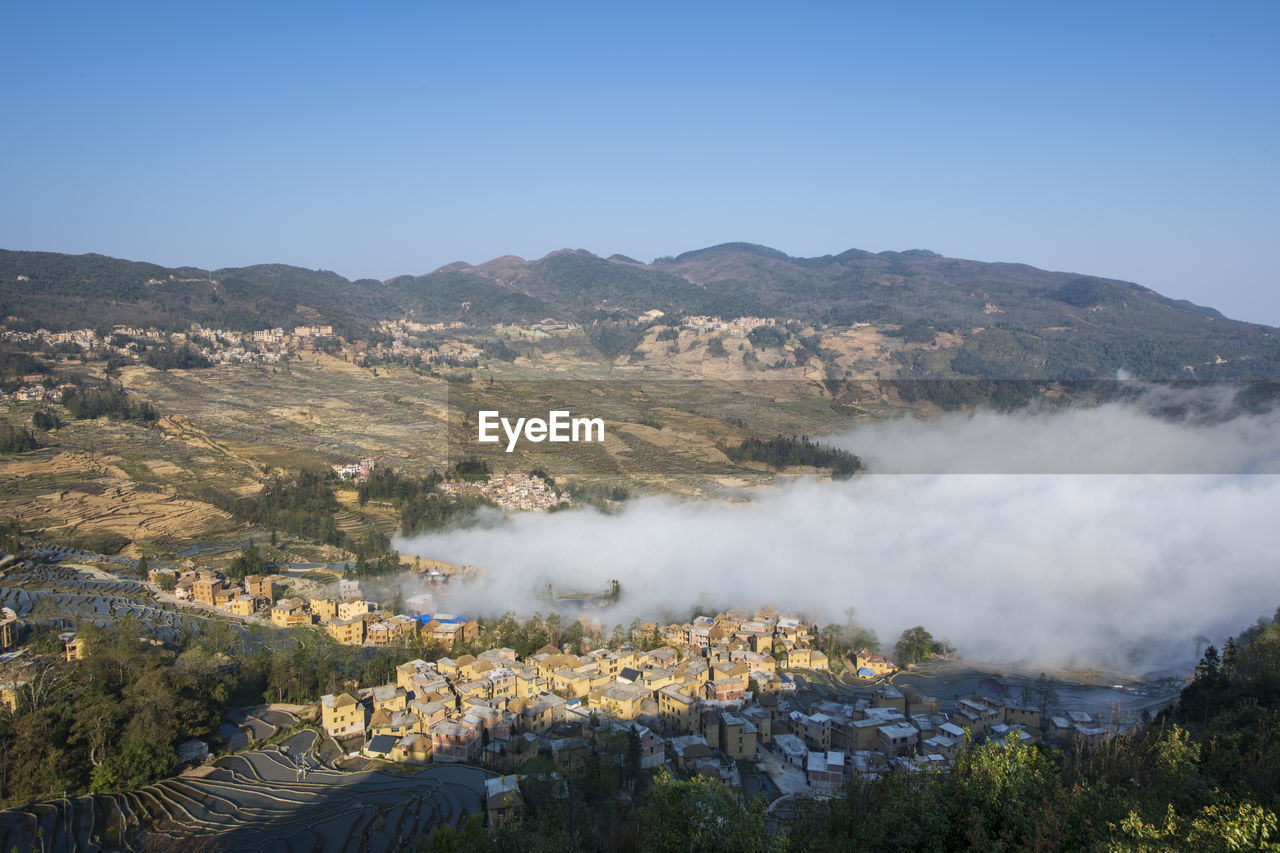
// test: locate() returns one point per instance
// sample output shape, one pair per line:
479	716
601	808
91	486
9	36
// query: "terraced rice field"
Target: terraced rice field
76	491
246	726
46	589
316	412
259	802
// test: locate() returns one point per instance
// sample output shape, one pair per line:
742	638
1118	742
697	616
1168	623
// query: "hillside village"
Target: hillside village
699	696
706	697
347	617
403	340
718	691
514	491
222	346
508	490
209	346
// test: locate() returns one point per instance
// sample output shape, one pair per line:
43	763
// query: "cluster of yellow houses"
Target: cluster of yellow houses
713	695
354	621
349	618
752	640
252	595
495	707
716	680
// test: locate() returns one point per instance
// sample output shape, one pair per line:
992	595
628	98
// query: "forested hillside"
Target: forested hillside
1007	321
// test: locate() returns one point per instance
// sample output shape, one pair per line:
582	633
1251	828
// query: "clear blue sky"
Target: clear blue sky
1133	140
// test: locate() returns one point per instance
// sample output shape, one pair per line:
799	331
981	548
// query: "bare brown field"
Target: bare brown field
319	411
74	492
231	429
665	423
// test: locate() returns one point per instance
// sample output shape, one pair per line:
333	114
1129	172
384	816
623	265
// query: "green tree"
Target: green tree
914	646
1243	826
11	536
555	630
16	439
634	749
1043	695
858	636
45	420
136	764
573	637
471	838
703	814
251	561
379	669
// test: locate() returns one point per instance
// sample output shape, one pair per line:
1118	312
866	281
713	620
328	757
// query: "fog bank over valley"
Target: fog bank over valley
1113	569
1162	430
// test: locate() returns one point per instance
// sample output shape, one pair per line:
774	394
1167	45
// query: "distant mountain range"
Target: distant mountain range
1008	320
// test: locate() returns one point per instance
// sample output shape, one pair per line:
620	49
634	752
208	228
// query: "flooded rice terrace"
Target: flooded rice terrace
288	798
47	589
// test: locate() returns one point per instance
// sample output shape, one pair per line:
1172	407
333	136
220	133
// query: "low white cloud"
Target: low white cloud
1114	569
1112	438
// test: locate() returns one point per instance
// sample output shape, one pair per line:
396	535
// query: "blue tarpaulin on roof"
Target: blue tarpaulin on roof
452	620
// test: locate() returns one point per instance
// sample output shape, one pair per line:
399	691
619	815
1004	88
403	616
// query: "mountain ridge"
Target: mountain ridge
1012	320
